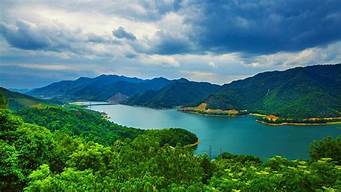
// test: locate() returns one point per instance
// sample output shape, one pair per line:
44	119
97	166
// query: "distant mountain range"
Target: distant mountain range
301	92
176	93
101	88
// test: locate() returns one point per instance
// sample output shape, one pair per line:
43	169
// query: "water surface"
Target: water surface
238	135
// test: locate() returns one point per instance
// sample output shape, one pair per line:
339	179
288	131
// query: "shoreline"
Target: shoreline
213	112
337	120
226	114
209	114
193	144
298	124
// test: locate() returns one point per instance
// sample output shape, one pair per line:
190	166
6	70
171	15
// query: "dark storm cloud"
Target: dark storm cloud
121	33
28	36
202	39
261	26
23	37
167	44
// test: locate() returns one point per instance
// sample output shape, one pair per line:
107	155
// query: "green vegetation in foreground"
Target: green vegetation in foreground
89	125
66	156
35	159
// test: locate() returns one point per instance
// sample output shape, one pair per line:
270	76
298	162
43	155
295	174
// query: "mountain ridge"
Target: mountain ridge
100	88
178	93
302	92
298	92
15	101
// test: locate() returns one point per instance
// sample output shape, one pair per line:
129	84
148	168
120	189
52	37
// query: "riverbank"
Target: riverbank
193	144
203	110
270	120
273	120
226	133
298	124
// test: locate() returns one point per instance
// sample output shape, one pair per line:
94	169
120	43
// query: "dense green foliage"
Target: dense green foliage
100	88
52	148
327	148
3	101
296	93
32	158
177	93
90	125
276	174
173	136
25	147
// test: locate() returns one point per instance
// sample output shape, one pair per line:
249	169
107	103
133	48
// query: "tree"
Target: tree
326	148
92	156
69	180
3	101
11	176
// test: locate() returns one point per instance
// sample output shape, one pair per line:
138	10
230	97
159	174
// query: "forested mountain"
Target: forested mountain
177	93
100	88
301	92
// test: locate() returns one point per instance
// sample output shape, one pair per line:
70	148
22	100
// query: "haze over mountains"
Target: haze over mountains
16	100
312	91
101	88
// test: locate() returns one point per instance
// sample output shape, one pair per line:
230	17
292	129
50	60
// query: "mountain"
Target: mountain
19	90
100	88
301	92
15	101
177	93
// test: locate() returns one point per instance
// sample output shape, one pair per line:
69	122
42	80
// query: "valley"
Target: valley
170	96
295	96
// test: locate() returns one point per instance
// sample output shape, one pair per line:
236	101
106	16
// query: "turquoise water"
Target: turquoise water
238	135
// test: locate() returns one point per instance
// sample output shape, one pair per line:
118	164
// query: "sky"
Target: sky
202	40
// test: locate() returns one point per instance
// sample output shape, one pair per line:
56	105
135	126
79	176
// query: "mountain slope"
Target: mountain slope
177	93
15	101
301	92
100	88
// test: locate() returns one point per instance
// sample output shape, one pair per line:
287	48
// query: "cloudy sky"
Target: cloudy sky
202	40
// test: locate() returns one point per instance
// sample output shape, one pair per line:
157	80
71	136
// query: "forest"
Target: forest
68	148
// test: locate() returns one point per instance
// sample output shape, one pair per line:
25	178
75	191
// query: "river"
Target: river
238	135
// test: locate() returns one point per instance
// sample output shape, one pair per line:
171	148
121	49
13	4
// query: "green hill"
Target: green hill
177	93
16	101
301	92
